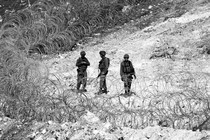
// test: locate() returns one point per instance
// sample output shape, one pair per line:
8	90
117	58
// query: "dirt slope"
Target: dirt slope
172	47
181	39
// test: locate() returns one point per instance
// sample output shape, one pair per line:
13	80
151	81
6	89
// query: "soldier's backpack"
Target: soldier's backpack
127	67
108	61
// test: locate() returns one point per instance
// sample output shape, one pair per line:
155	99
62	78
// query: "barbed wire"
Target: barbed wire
161	99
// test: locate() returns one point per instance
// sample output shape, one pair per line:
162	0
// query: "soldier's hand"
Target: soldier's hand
122	79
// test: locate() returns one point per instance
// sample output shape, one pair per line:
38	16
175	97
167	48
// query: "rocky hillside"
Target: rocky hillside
171	58
171	101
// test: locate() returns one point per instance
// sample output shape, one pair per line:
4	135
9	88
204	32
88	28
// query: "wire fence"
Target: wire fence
180	99
50	27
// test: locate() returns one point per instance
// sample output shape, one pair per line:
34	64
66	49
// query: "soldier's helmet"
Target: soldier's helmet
126	56
103	53
82	53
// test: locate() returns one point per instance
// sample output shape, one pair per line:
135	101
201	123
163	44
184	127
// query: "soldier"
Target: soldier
127	72
103	67
82	64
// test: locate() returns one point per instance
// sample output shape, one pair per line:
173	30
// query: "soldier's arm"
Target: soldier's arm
106	65
133	73
133	69
78	63
121	70
88	63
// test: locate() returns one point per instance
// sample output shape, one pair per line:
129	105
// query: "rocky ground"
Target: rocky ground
170	48
90	127
167	46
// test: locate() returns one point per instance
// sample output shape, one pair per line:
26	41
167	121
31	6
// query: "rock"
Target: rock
51	139
150	7
90	117
40	137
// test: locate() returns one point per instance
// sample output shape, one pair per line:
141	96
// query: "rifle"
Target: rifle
99	75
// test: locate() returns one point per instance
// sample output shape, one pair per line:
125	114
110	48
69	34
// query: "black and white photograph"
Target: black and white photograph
104	69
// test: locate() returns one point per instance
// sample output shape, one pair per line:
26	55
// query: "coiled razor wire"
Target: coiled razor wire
160	99
180	98
58	23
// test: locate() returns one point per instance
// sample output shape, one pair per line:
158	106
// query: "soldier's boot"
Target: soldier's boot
100	91
84	85
78	84
84	90
105	91
126	91
78	88
129	92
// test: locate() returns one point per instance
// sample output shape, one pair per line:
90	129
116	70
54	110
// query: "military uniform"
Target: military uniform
82	64
127	72
103	67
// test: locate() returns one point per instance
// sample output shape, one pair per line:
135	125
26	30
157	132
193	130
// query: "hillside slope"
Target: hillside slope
184	40
171	59
170	56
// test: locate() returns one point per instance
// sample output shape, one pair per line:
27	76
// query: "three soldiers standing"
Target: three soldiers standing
127	72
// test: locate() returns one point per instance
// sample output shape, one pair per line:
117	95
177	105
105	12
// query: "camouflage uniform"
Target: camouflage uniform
127	72
103	67
82	64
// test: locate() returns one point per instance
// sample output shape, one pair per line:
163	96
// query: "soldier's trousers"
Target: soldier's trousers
82	79
127	84
103	83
